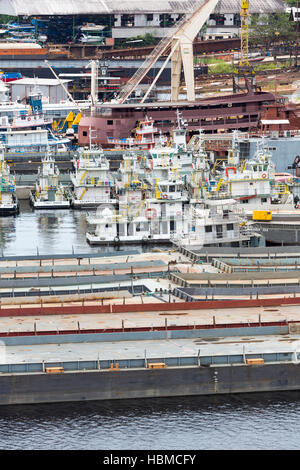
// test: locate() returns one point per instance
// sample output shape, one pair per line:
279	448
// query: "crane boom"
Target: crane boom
181	44
244	60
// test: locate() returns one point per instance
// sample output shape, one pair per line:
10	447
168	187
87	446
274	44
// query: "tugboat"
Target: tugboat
49	193
92	182
216	222
253	182
9	204
175	152
150	206
144	138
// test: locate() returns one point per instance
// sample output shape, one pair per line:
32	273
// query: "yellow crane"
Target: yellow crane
244	68
244	60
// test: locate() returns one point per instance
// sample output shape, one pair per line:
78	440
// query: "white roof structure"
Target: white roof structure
106	7
38	81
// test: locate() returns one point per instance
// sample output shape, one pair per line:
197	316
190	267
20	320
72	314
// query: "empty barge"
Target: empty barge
78	368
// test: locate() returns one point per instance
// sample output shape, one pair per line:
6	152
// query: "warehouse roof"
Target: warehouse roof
78	7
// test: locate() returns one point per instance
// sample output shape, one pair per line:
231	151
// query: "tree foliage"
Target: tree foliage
292	3
4	19
271	28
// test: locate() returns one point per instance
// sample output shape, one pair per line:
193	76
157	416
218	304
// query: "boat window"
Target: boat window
208	228
172	189
229	226
254	168
110	122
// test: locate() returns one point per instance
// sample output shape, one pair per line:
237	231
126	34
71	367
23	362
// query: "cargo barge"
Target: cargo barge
99	369
101	345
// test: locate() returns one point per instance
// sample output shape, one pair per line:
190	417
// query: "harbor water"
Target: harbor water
236	422
46	232
249	421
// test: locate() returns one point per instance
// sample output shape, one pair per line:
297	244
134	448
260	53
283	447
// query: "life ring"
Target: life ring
28	119
117	240
165	196
150	213
264	175
230	168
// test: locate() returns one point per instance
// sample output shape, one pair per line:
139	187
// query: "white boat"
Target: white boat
219	222
92	182
175	151
253	182
30	130
49	192
90	34
149	209
8	200
199	175
145	137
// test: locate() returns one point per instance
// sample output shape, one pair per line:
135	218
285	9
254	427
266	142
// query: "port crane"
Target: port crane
180	47
244	68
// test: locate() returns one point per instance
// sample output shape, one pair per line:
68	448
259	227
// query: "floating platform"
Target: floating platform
108	370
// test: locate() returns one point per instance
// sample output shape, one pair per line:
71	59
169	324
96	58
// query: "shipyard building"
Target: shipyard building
130	19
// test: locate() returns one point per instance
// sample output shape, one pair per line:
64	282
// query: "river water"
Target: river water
46	232
237	422
250	421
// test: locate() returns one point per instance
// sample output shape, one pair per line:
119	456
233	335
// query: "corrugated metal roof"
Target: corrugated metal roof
78	7
256	6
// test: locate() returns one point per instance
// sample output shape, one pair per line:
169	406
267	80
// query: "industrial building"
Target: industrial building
50	88
130	18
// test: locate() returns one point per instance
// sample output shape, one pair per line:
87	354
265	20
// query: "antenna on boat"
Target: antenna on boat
94	65
61	83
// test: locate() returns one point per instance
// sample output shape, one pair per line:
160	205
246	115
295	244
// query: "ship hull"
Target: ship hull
116	121
23	388
36	204
7	211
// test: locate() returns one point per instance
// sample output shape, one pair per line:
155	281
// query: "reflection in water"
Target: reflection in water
47	232
257	421
250	421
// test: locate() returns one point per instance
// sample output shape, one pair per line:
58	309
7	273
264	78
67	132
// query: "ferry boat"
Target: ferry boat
92	182
9	204
49	193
